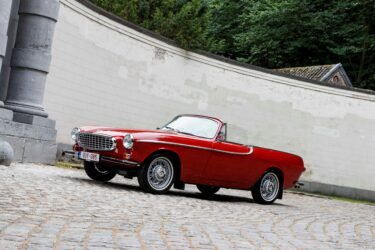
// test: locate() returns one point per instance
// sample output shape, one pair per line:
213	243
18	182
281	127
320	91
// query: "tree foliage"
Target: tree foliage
268	33
290	33
184	21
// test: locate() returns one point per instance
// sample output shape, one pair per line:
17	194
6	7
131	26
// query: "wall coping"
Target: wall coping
117	24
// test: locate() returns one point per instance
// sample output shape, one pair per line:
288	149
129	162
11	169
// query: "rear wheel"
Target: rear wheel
267	189
207	190
98	172
157	175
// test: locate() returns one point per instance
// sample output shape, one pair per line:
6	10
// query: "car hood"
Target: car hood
137	133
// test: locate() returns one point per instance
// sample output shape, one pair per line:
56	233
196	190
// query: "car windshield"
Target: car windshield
192	125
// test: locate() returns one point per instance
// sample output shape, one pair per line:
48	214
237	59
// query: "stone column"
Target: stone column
12	32
5	7
31	57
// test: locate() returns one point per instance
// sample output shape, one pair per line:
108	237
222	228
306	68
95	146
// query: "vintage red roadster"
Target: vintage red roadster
191	149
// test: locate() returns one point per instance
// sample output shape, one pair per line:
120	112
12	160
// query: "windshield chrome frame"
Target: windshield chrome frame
220	125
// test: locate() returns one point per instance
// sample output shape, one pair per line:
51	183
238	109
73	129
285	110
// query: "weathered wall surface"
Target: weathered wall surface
104	73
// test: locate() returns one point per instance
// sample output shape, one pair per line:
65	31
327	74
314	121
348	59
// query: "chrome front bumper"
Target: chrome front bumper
105	159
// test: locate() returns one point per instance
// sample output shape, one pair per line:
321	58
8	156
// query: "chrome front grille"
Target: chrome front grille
96	142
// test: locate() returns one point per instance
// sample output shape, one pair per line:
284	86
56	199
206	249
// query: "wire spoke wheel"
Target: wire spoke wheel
157	175
160	173
268	188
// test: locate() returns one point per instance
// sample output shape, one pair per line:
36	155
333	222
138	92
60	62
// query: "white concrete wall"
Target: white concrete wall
103	73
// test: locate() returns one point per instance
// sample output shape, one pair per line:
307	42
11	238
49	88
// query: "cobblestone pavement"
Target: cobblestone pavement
45	207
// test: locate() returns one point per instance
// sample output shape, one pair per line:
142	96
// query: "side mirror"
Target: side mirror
157	128
220	136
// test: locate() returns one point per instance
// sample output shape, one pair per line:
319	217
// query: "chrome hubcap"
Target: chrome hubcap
269	186
160	173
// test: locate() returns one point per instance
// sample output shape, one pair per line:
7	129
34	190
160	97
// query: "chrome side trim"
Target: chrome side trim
251	149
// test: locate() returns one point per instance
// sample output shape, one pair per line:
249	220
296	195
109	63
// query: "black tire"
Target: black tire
268	188
208	190
157	174
97	172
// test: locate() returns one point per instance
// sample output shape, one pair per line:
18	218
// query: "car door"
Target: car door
230	165
194	154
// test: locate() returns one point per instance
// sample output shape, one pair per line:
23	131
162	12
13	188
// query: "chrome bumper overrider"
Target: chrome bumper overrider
106	158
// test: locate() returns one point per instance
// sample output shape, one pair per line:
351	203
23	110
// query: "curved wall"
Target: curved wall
105	73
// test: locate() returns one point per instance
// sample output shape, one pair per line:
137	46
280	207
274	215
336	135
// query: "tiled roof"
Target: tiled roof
311	72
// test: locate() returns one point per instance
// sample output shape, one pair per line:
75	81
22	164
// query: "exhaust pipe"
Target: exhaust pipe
298	185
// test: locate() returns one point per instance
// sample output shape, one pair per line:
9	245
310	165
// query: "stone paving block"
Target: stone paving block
37	247
42	241
18	237
18	230
70	246
9	244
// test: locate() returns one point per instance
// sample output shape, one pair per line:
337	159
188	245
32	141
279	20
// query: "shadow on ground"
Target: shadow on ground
182	193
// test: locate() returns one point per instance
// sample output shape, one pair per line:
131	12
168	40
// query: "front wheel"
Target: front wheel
207	190
98	172
157	175
267	189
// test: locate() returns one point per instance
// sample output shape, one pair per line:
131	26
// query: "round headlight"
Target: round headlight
128	141
74	133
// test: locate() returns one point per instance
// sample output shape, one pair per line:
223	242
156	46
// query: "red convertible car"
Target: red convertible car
191	149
